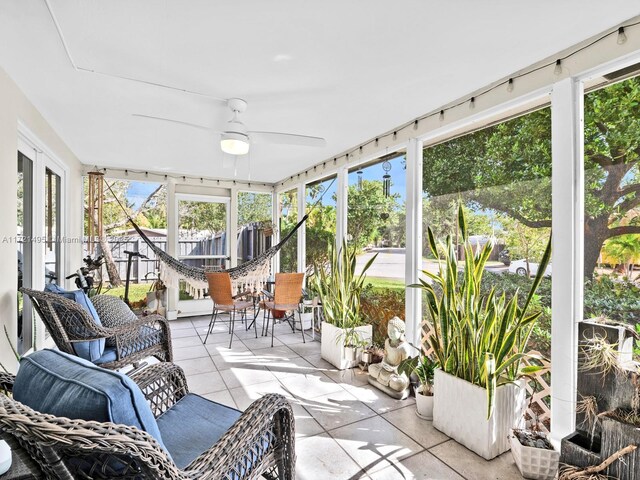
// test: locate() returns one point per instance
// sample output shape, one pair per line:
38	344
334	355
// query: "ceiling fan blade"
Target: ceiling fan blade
188	124
286	139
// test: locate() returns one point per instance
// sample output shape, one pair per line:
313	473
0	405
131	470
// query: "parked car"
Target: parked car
520	267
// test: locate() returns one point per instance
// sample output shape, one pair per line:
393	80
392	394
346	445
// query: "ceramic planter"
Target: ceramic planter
460	412
306	319
534	463
157	301
332	347
424	405
5	457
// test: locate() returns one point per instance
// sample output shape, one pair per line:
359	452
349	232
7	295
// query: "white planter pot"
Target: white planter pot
307	320
460	412
534	463
332	347
157	302
5	457
424	405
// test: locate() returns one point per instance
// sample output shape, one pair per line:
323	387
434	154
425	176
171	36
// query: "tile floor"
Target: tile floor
345	429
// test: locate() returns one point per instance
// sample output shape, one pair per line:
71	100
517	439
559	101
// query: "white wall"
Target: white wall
15	107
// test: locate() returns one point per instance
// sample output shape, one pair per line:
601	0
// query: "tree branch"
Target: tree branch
623	230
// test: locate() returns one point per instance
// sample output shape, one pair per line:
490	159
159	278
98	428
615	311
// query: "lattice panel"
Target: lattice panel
538	407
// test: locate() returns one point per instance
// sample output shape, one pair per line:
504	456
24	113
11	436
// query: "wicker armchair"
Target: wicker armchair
128	344
259	443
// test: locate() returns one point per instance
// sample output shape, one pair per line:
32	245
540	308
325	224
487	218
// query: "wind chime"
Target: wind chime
95	200
386	186
359	173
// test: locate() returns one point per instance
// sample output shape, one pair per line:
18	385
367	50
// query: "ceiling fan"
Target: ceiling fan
235	139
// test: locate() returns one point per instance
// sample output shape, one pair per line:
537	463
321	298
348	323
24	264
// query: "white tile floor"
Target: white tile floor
345	429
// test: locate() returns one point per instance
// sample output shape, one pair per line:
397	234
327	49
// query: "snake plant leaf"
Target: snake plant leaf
462	222
490	368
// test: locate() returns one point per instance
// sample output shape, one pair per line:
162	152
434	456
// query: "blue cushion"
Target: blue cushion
59	384
93	349
109	355
193	425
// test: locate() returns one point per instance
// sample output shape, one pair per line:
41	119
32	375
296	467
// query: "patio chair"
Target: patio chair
75	331
145	427
221	294
286	298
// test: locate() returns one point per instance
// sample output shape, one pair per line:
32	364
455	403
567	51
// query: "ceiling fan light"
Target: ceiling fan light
234	143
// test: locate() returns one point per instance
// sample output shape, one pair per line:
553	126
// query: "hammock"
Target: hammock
250	275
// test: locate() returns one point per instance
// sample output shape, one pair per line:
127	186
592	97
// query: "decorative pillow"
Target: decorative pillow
91	350
59	384
113	312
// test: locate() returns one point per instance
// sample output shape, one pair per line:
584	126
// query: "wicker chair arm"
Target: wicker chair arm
162	384
6	382
268	421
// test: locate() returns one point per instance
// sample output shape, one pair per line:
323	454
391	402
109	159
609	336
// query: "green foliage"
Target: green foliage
288	206
379	303
424	368
614	299
253	207
479	338
636	349
364	221
320	233
339	288
202	216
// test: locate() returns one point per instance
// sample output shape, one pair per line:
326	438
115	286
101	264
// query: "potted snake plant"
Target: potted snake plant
423	368
339	289
479	343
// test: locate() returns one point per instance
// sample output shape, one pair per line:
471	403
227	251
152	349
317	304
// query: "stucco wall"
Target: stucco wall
15	107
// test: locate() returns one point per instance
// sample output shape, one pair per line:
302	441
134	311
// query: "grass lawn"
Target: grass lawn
137	291
386	283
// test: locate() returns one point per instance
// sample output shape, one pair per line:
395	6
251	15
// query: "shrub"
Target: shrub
378	306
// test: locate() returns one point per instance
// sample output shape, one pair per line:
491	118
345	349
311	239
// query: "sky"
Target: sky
139	191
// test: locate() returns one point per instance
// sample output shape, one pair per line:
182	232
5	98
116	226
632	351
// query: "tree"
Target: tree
199	217
524	242
507	167
366	206
253	207
114	217
625	249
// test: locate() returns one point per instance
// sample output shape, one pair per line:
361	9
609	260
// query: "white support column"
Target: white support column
302	231
342	200
172	244
413	257
275	218
233	227
568	227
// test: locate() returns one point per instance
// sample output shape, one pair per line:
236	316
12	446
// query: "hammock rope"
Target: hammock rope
250	275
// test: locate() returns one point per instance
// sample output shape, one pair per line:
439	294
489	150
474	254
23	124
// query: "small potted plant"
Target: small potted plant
532	451
423	369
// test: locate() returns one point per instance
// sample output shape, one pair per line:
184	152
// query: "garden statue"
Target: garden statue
385	375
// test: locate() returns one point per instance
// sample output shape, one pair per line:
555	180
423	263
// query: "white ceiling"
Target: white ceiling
345	70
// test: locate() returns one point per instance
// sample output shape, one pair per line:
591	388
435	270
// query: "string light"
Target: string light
472	103
441	116
415	126
622	37
510	85
558	69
